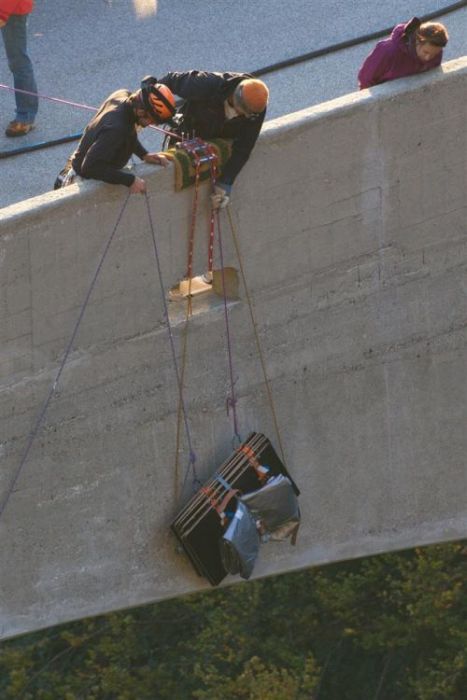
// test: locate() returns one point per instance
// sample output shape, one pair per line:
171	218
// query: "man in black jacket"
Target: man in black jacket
111	138
227	105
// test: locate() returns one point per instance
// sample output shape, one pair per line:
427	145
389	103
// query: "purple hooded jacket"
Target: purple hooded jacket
394	58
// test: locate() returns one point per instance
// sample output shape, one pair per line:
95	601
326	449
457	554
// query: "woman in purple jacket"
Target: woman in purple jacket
412	48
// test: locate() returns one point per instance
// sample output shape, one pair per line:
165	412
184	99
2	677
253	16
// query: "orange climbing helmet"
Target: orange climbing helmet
252	95
158	99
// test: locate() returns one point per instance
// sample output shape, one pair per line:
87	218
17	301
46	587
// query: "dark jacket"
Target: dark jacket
108	141
203	113
392	58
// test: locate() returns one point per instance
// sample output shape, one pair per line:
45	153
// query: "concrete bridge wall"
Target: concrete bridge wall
351	218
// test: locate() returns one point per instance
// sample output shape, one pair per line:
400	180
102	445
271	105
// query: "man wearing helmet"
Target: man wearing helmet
110	138
227	105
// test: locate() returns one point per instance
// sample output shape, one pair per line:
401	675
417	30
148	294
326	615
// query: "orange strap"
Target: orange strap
261	472
219	506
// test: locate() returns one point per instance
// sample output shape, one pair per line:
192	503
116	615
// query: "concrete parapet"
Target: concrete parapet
351	218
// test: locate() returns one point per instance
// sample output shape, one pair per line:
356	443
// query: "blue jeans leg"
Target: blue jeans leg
15	39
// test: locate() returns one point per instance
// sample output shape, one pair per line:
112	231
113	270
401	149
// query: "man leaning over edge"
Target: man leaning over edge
226	105
111	137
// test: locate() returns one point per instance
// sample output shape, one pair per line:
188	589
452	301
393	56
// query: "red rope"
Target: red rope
213	164
194	211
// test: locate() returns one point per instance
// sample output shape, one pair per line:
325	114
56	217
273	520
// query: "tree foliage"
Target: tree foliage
383	628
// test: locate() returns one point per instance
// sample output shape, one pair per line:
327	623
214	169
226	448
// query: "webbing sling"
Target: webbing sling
220	505
261	470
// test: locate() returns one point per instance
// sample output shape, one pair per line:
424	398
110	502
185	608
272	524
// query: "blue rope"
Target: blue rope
45	406
192	455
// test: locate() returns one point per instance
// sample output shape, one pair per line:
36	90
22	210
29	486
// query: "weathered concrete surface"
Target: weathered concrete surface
352	221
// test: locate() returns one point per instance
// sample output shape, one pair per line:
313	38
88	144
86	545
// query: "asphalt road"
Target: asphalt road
84	49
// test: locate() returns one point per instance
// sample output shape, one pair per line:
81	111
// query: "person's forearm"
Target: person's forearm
139	150
106	173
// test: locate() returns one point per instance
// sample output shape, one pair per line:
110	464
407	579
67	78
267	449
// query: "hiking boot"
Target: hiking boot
15	128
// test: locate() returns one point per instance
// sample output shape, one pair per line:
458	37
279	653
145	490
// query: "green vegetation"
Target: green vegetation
392	627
